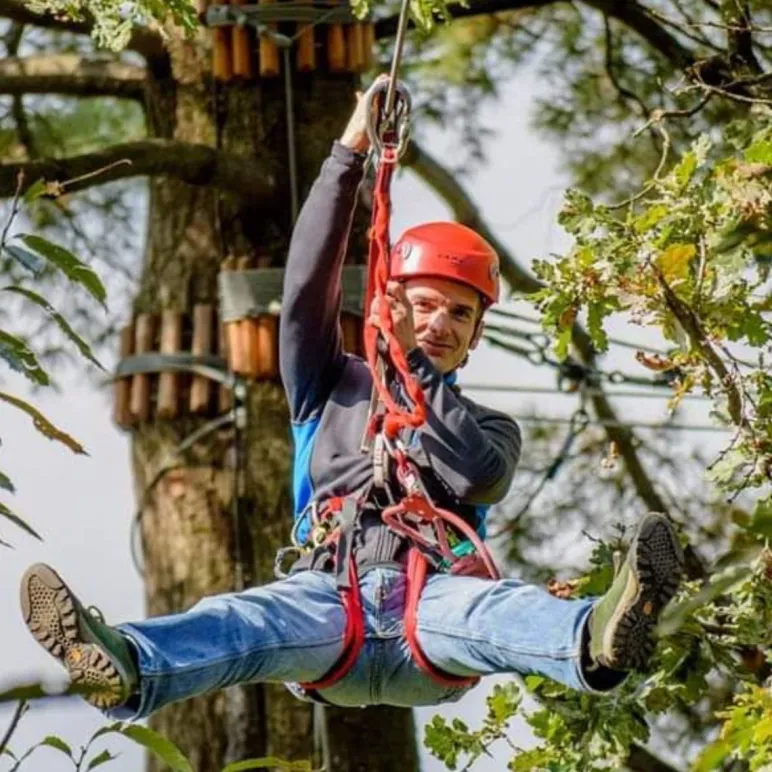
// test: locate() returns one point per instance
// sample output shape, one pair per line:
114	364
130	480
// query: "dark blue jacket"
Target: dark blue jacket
467	453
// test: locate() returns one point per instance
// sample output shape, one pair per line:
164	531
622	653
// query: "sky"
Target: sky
83	506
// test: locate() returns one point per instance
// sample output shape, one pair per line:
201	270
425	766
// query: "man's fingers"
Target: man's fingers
396	289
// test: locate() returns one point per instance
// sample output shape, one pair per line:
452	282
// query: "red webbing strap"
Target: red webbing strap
416	578
354	639
395	417
406	516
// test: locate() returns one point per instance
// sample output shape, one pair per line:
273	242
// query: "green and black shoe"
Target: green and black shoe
96	656
622	622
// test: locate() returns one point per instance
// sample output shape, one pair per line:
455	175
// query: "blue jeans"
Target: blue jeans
293	630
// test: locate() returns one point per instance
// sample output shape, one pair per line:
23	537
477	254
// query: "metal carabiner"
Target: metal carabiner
311	511
396	122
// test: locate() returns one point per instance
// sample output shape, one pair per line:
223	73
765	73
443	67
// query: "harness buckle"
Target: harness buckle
380	461
281	556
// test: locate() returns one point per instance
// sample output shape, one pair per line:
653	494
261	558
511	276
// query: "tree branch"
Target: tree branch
144	41
23	129
737	17
635	17
444	183
70	74
387	27
193	164
628	12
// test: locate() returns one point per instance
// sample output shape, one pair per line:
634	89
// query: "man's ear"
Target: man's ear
477	333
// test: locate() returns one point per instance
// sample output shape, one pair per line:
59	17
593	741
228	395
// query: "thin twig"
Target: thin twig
679	26
17	716
609	62
699	339
700	271
655	179
14	207
96	172
714	24
731	95
660	115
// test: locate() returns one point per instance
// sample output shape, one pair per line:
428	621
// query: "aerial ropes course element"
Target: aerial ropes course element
247	37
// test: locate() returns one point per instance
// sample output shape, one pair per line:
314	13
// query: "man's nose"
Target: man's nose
440	321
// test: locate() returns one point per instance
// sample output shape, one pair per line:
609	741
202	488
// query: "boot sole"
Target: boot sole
51	612
657	570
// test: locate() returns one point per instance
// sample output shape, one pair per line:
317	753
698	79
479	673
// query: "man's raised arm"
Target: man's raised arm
309	334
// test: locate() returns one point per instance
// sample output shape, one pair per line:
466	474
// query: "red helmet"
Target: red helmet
448	250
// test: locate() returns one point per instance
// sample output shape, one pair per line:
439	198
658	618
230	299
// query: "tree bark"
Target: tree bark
187	526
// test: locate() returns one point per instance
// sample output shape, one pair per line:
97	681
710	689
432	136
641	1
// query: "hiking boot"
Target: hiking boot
622	623
96	656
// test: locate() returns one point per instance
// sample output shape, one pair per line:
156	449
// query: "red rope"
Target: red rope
395	417
413	511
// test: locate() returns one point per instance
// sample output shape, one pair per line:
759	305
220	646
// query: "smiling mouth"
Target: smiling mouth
436	346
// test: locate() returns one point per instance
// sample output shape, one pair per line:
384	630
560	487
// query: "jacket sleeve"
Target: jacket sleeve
474	455
311	352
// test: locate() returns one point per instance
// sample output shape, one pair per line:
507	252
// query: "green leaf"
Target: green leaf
6	484
42	424
650	218
269	762
760	152
675	616
165	749
576	209
100	759
26	258
562	342
533	682
68	264
691	161
52	741
16	352
61	322
761	522
596	313
16	520
29	692
674	261
24	692
35	191
504	702
712	757
13	361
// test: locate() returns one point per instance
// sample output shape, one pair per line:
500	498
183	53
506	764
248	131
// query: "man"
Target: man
443	277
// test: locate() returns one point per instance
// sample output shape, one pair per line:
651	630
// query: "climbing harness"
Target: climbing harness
437	538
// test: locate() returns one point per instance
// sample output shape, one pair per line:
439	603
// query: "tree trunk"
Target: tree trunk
187	526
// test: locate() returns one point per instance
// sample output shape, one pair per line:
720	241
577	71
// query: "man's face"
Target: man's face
445	316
